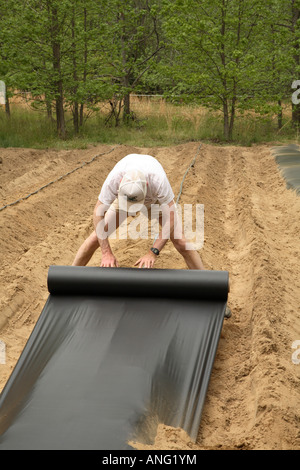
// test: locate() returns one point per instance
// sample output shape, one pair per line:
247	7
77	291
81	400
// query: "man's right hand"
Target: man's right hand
109	261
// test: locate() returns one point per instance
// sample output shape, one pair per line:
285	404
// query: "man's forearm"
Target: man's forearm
101	232
105	246
160	242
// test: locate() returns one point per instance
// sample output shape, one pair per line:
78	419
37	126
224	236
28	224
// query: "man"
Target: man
137	182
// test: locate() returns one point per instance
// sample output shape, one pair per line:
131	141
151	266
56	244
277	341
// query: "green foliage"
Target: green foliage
225	55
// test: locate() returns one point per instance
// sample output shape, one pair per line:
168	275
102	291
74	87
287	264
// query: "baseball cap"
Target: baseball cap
132	191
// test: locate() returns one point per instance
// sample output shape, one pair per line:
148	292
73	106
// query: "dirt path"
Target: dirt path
252	228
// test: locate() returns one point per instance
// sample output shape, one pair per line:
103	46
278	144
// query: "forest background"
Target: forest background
149	72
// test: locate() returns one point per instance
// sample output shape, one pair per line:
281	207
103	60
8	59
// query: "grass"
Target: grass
156	123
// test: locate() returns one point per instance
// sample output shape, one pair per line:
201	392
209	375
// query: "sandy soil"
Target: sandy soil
252	226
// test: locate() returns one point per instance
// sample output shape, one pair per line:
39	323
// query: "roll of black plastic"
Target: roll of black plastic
115	352
126	282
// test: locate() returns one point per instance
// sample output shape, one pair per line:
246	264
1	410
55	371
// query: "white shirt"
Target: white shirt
159	189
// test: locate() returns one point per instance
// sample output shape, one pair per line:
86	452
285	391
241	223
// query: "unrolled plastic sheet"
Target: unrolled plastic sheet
288	160
115	352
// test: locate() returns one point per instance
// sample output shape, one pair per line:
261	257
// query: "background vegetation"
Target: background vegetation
219	70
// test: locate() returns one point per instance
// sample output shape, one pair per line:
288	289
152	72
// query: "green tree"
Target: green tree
52	52
128	43
276	59
35	45
216	51
287	23
6	54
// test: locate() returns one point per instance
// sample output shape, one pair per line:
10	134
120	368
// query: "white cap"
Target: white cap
132	191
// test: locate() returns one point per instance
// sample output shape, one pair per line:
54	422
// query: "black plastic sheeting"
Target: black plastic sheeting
288	160
115	352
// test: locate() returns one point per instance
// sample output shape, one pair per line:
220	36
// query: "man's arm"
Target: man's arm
101	228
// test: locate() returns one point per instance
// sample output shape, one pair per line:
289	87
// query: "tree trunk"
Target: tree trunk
56	51
235	85
60	113
280	115
126	109
49	108
125	80
85	63
75	78
81	115
223	61
7	107
232	116
76	118
226	120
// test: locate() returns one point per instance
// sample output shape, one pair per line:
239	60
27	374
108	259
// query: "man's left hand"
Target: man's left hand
146	261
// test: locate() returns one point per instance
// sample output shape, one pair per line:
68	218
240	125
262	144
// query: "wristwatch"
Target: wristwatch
155	251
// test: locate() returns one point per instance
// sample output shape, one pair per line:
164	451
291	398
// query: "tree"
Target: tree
228	55
5	52
129	43
48	54
276	59
287	22
35	47
216	51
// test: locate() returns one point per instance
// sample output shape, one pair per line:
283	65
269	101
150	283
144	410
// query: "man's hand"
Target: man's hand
109	261
146	261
